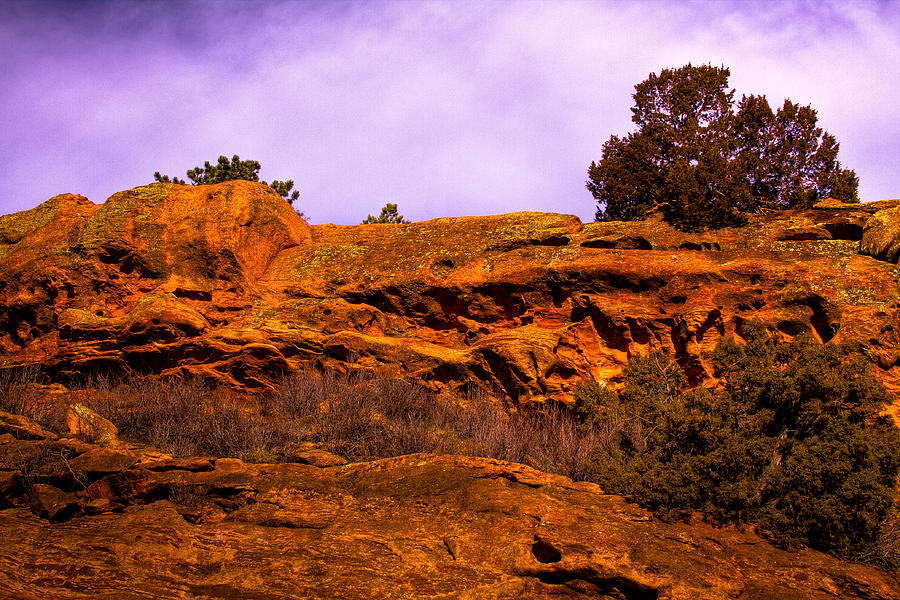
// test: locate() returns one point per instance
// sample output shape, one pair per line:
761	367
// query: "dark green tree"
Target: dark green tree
229	170
794	441
705	161
388	214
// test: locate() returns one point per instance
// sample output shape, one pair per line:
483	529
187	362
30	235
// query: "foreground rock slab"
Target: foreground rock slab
417	526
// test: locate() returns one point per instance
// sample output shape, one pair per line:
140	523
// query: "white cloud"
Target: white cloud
444	107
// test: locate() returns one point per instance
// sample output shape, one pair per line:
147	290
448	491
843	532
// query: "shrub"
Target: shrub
186	417
388	214
19	395
793	442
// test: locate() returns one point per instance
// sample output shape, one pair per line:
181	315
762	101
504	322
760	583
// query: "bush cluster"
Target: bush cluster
19	395
793	441
389	214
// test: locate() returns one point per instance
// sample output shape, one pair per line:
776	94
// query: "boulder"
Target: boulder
101	461
881	235
51	503
84	422
23	428
194	237
317	458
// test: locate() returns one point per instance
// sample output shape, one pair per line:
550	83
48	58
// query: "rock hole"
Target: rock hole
544	552
788	328
553	240
845	231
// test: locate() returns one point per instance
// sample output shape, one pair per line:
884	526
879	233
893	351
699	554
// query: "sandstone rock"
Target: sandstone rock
803	233
407	527
23	428
51	503
83	421
98	462
624	242
881	235
230	465
317	458
193	464
226	283
195	233
161	318
11	486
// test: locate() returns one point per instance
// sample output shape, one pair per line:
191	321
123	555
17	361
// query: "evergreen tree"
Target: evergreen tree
706	161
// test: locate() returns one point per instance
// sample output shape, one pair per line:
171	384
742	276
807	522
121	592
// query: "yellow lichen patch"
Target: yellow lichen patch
47	228
431	248
15	226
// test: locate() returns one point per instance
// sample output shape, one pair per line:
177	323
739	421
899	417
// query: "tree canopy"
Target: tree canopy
704	160
388	214
229	170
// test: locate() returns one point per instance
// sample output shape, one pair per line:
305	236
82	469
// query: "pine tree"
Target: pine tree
230	170
388	215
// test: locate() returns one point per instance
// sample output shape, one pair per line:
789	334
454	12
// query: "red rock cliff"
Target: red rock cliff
228	282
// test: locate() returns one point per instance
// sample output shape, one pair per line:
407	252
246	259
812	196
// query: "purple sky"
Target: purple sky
446	108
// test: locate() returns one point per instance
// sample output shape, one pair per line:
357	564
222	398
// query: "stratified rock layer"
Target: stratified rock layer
227	282
90	522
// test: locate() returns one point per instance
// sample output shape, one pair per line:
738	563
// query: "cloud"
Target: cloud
446	108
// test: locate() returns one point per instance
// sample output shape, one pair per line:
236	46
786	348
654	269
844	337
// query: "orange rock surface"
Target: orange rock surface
227	282
94	522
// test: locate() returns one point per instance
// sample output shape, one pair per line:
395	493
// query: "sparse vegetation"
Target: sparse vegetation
18	395
704	162
358	415
388	214
793	441
229	170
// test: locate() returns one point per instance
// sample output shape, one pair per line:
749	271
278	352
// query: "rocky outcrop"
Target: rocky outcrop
881	236
228	283
93	522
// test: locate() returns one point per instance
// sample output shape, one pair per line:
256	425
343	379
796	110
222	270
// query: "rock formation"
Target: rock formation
89	521
227	282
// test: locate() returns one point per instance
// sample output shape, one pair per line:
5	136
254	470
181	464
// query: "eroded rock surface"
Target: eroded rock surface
227	282
85	524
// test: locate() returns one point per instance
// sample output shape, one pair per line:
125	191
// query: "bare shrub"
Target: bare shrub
366	416
229	426
557	445
490	430
19	395
357	414
886	551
